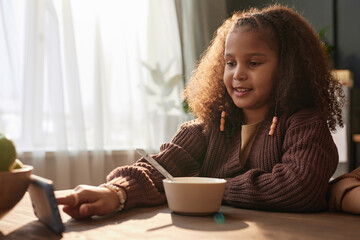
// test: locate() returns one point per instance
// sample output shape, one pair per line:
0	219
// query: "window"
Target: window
75	72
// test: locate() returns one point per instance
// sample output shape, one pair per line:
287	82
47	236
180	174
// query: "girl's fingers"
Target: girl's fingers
70	199
78	196
86	210
73	212
94	208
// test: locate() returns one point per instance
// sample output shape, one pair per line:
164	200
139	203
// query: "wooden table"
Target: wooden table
161	223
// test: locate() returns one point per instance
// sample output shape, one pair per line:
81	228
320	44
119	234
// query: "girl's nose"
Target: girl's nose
240	73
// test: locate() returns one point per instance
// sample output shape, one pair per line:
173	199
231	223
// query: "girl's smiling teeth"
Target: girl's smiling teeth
242	89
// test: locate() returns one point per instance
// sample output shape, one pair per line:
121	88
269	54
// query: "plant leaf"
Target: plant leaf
168	66
166	91
170	85
149	91
175	80
185	106
157	75
323	31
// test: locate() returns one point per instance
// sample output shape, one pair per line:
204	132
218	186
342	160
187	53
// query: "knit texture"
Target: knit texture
288	171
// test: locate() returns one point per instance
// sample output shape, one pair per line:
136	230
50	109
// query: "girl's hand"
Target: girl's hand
351	201
86	201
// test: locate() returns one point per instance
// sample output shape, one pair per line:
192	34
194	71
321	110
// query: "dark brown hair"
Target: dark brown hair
304	81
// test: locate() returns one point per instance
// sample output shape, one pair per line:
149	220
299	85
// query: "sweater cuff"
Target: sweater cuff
231	196
138	194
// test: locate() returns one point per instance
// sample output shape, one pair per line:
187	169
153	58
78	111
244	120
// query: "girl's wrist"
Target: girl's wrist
120	192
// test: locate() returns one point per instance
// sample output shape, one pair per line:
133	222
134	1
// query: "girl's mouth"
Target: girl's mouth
239	92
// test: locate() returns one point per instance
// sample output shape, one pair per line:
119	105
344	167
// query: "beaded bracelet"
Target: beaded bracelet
118	191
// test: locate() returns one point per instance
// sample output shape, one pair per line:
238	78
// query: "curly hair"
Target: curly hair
304	77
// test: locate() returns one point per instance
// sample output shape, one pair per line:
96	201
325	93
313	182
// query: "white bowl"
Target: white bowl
194	195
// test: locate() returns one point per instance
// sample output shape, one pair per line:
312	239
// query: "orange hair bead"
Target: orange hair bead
222	121
273	126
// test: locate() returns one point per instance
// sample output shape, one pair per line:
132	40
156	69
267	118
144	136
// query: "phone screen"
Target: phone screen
44	203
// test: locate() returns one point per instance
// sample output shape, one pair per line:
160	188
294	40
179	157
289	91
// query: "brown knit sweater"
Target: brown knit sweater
288	171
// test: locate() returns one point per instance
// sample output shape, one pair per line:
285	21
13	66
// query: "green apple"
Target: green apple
7	153
17	164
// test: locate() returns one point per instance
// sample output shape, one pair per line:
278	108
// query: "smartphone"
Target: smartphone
45	206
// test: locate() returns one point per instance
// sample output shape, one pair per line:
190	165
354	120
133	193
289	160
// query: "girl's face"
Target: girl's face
250	70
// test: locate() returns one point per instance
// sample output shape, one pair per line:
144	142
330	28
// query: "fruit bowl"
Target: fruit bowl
13	185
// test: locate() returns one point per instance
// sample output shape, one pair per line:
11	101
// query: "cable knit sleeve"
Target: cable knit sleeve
299	177
181	157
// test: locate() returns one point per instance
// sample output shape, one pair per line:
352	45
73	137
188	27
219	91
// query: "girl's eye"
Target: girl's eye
230	64
254	64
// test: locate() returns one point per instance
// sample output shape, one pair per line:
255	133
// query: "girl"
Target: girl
265	103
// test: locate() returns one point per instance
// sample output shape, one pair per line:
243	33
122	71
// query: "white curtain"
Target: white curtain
84	81
198	21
